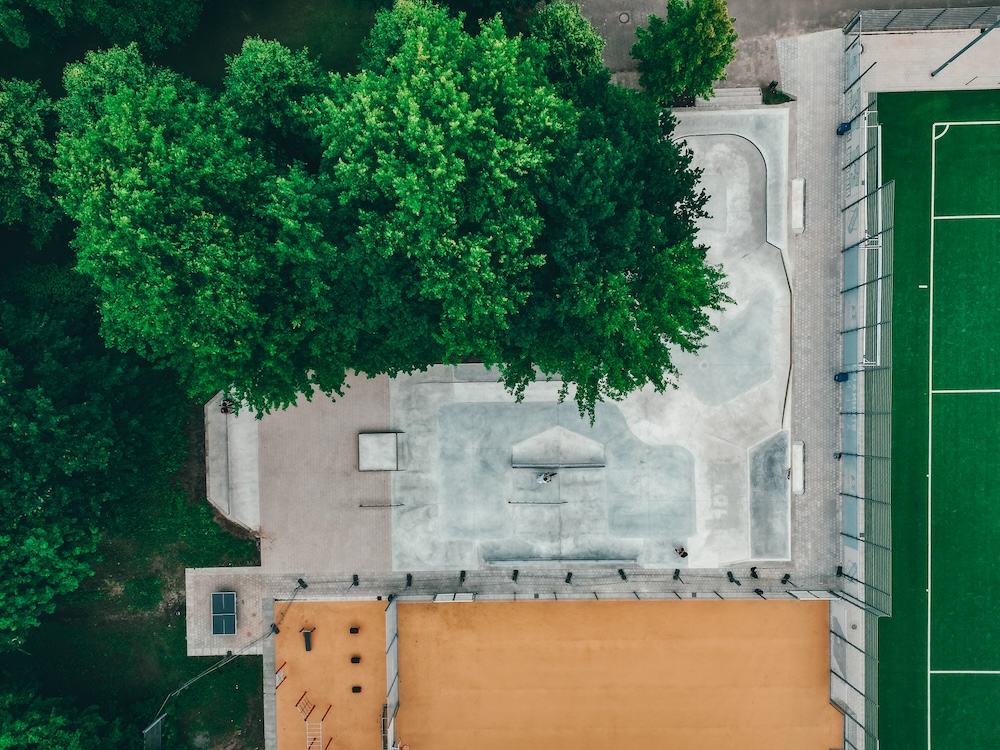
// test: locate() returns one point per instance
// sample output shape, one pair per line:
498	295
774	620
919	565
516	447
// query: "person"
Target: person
545	477
681	551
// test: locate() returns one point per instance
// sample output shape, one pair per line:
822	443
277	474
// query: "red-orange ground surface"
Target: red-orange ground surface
599	675
351	721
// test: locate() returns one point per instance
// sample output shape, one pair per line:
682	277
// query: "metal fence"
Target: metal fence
865	574
923	19
391	677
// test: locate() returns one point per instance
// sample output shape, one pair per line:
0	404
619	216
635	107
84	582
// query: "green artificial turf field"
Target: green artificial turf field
939	665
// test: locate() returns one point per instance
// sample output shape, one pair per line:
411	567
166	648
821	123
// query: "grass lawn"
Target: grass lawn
119	641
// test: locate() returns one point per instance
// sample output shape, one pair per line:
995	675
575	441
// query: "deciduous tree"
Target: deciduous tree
31	722
683	56
84	425
275	91
437	150
208	258
149	22
570	49
27	127
486	197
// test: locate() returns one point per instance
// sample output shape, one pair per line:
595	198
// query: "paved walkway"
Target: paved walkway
317	511
256	591
759	23
812	67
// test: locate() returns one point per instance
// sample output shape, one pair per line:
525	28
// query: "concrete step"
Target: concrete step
734	98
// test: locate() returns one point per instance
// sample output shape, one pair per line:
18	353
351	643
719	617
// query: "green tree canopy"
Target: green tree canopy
437	151
275	91
208	258
150	22
683	56
486	197
77	435
27	127
30	722
571	50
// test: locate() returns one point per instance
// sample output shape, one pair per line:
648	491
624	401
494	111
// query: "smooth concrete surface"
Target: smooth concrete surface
462	503
770	509
232	472
378	451
766	130
676	467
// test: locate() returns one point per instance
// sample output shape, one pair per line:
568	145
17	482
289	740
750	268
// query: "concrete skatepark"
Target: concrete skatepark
705	466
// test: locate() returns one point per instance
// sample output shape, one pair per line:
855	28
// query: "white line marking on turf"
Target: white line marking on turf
970	216
947	127
930	423
969	122
971	390
966	671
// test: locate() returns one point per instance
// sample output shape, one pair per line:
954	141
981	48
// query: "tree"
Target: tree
208	258
683	56
570	49
275	91
624	280
436	151
30	722
84	426
464	206
149	22
27	127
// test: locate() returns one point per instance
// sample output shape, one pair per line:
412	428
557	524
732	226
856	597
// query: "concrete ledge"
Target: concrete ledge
798	468
231	464
798	205
378	451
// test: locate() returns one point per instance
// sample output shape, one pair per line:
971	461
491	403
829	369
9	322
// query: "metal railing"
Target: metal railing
923	19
